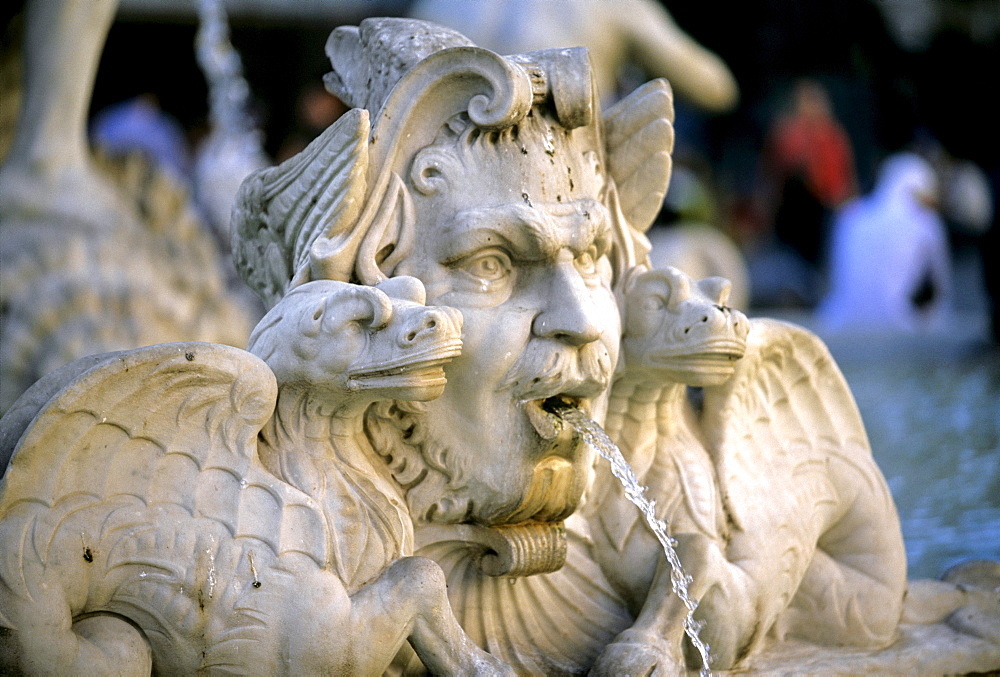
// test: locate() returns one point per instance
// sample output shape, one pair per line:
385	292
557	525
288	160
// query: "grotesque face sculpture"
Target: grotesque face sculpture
511	233
494	182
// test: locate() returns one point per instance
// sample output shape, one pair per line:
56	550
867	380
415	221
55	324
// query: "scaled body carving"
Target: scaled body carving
495	183
95	254
163	516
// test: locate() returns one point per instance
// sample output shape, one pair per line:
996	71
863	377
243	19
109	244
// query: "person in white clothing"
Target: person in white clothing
890	265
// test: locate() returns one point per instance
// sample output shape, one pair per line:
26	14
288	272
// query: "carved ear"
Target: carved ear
716	289
361	253
281	211
367	303
640	138
405	288
431	170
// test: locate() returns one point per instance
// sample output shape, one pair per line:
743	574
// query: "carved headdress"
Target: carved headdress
341	208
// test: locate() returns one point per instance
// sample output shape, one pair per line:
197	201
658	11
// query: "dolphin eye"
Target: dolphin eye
654	303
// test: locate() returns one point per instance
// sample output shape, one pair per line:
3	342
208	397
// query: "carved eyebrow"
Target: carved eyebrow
529	233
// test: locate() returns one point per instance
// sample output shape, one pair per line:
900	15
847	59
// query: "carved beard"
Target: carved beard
427	472
434	476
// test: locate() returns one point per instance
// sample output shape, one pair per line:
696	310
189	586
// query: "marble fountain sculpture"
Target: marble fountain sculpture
402	471
97	253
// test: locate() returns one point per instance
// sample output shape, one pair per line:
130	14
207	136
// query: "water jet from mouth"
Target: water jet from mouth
594	435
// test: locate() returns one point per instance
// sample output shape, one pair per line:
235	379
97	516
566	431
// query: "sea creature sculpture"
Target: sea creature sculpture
820	559
96	254
173	537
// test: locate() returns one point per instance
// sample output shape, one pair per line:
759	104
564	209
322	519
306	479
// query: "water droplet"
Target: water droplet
595	436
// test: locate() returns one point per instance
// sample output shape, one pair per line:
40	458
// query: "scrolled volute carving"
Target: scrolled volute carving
512	550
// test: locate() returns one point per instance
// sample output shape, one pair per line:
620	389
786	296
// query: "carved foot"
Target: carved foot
639	653
415	587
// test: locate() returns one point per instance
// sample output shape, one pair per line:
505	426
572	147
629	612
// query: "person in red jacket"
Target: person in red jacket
811	166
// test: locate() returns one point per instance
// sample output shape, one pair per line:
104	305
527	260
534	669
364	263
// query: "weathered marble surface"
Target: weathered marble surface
95	254
490	193
257	535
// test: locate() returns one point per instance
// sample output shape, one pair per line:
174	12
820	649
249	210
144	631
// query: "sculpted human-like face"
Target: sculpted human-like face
519	245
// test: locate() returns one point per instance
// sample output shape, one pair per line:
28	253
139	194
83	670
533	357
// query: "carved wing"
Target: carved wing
776	423
280	211
144	423
640	138
800	485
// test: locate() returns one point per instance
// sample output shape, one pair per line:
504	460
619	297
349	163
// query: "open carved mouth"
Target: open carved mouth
422	370
721	350
707	363
544	417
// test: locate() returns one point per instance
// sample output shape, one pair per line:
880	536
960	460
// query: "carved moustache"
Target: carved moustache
547	368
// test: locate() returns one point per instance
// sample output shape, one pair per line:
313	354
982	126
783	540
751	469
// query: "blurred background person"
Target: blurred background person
890	264
806	172
139	124
810	163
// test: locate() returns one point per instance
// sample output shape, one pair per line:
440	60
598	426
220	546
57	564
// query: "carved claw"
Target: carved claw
638	653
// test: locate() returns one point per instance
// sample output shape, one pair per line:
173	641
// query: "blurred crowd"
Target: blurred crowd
844	154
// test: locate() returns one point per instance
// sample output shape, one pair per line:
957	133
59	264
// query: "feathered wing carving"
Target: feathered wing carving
280	211
786	409
20	415
202	403
814	522
171	425
640	138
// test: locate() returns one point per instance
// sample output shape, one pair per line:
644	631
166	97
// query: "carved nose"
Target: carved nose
739	323
569	319
575	332
420	327
568	312
715	319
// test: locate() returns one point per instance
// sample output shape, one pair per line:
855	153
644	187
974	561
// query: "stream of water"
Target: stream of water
595	436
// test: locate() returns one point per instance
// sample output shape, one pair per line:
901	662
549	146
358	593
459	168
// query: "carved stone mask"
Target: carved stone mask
488	178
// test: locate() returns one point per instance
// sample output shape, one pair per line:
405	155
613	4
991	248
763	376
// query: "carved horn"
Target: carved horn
495	92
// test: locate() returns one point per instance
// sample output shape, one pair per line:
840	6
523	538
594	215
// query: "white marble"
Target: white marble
453	263
96	254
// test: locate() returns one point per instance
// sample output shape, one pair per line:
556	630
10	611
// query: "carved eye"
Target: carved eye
654	303
490	266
